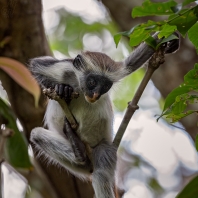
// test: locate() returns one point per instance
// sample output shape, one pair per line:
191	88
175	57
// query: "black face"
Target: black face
96	85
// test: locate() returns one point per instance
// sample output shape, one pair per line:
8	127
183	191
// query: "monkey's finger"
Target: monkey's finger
66	94
61	90
70	92
56	88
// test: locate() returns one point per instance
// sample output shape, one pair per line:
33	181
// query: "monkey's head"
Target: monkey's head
96	73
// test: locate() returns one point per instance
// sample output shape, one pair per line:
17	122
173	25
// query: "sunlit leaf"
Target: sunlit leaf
167	30
21	75
192	34
117	38
16	146
184	20
190	84
177	110
143	31
177	117
190	190
138	36
149	8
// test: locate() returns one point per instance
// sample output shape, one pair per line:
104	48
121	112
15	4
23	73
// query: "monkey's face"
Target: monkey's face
94	86
92	71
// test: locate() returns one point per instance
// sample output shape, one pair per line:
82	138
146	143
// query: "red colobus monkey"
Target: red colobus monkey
91	74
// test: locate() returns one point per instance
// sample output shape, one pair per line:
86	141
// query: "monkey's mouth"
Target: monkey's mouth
92	99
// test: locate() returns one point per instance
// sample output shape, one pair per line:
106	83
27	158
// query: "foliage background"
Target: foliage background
71	31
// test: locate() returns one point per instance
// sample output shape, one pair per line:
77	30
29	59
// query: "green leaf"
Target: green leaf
177	117
179	107
176	111
16	146
191	78
196	142
190	84
138	36
192	34
149	8
151	42
167	30
117	38
170	99
190	190
184	20
143	31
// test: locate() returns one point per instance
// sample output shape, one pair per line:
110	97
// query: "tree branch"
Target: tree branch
50	93
156	60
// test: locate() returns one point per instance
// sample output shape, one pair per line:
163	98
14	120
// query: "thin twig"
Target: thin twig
50	93
156	60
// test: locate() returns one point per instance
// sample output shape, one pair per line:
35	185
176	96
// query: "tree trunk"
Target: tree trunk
21	21
170	74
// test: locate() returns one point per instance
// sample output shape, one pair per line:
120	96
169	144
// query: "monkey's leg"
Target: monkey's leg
76	144
58	149
104	162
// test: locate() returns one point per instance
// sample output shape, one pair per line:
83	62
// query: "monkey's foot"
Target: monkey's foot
77	145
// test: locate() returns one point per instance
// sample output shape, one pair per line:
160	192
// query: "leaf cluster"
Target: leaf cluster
183	18
177	101
178	18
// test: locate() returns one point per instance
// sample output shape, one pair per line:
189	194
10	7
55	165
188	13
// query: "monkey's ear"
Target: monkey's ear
78	62
173	45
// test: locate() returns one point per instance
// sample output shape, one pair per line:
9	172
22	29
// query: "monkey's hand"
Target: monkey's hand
65	92
61	91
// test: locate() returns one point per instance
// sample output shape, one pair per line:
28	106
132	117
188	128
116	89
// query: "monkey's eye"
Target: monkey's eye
91	83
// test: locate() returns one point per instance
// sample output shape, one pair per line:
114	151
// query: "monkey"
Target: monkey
92	75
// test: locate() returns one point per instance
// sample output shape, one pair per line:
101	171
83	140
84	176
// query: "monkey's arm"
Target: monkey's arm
49	71
144	52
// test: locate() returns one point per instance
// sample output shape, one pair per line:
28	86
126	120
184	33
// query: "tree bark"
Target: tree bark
21	20
170	75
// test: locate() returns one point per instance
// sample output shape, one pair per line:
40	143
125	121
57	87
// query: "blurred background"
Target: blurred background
156	159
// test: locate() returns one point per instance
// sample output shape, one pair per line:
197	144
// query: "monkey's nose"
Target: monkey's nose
93	99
